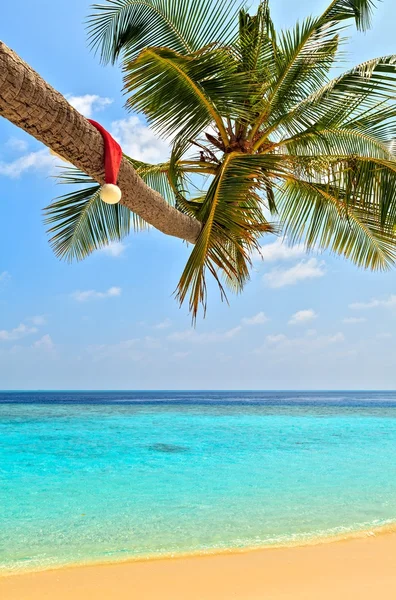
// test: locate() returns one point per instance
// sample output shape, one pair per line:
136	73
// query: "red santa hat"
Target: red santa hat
110	192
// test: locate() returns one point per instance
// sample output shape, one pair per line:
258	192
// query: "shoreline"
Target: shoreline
331	538
354	568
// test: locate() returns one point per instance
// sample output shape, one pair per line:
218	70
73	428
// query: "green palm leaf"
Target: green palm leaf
360	10
338	141
306	55
321	215
81	222
185	94
356	94
233	218
368	183
184	26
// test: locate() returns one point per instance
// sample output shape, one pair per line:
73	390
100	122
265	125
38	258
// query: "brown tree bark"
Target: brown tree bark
33	105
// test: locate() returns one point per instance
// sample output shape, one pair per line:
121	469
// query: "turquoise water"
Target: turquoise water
98	477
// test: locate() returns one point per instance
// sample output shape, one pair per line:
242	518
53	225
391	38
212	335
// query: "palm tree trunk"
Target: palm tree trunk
30	103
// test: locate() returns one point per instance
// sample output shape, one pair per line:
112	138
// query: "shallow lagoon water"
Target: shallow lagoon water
96	477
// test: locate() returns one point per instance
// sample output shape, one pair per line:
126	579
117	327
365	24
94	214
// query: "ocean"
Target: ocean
91	477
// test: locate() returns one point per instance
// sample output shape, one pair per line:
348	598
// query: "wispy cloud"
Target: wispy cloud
4	276
128	349
180	355
17	144
279	251
389	302
17	333
41	160
276	339
306	344
134	349
37	320
383	336
84	296
139	141
306	269
115	249
258	319
165	324
151	342
45	343
190	335
303	316
88	103
354	320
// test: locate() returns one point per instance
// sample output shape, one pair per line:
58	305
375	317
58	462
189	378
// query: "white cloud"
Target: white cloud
88	104
44	343
17	144
303	316
139	141
93	294
151	342
258	319
190	335
311	332
306	269
37	320
180	355
383	336
276	339
115	249
134	349
334	339
375	303
41	160
307	344
165	324
17	333
128	349
279	251
354	320
4	276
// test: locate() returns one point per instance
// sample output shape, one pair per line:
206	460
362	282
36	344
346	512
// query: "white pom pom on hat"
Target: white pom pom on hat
110	193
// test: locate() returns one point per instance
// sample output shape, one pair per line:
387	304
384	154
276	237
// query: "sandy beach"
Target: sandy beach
352	569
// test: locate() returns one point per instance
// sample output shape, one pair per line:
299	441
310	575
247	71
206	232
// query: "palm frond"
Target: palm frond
338	141
81	222
257	43
356	94
185	94
233	220
359	10
321	216
368	183
306	55
185	26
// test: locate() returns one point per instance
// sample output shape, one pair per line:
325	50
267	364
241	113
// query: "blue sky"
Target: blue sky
111	322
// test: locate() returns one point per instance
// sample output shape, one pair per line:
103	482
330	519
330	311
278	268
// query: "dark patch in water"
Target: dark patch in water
168	448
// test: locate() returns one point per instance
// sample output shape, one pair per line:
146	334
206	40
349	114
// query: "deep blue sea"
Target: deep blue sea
106	476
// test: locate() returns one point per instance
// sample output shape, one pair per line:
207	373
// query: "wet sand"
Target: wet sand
358	569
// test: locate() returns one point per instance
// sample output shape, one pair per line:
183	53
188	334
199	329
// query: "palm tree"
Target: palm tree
32	104
263	140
